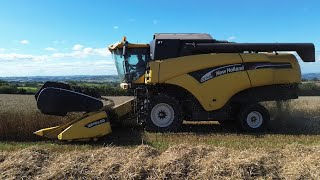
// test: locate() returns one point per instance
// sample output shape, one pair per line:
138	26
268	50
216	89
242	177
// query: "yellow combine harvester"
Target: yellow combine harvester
178	77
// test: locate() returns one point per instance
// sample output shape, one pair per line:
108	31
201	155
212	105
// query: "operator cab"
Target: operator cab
130	60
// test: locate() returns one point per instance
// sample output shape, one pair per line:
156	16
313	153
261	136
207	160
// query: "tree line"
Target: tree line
103	89
307	88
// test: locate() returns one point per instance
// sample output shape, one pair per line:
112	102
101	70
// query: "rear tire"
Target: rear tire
165	114
253	118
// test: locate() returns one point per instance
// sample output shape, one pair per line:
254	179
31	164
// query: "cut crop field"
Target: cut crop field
290	149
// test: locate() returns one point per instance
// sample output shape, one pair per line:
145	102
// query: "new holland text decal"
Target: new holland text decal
96	123
222	71
204	75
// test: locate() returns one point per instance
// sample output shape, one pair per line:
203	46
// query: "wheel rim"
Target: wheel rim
254	119
162	115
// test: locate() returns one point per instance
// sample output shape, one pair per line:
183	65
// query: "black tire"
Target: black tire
253	118
160	117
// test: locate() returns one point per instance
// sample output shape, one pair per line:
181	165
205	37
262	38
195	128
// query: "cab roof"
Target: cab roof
120	45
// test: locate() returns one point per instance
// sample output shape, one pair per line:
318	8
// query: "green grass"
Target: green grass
163	141
54	146
32	90
233	141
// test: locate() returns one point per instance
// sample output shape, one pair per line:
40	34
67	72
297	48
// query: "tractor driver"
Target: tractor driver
140	66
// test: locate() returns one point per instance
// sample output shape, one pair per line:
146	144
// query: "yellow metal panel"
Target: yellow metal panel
124	108
212	94
152	75
53	132
215	93
258	77
190	84
285	76
222	88
261	77
174	67
140	80
47	132
79	130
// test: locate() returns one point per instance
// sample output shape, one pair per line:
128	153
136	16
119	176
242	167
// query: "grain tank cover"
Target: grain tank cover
183	36
169	45
172	45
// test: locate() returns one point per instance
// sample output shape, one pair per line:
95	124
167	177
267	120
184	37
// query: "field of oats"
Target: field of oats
290	149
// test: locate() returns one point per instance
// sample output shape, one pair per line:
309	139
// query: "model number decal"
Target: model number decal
222	71
95	123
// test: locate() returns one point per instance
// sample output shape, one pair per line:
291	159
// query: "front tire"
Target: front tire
253	118
165	114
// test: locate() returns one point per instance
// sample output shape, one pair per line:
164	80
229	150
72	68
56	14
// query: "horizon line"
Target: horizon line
55	76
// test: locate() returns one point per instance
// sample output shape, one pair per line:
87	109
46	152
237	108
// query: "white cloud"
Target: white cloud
78	52
83	53
77	47
2	49
15	56
24	42
155	22
102	52
115	27
75	54
88	50
231	38
85	60
50	49
86	67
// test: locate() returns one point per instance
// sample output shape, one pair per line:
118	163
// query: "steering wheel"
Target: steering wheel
131	67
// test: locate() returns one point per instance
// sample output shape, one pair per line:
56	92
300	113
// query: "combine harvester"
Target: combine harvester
180	77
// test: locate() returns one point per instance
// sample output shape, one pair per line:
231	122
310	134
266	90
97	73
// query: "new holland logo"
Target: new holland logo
95	123
222	71
204	75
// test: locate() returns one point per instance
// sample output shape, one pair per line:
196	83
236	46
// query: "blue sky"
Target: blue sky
59	37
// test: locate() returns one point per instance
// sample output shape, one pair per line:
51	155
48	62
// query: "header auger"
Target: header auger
178	77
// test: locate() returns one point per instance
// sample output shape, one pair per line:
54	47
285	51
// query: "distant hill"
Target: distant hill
105	78
310	76
85	78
